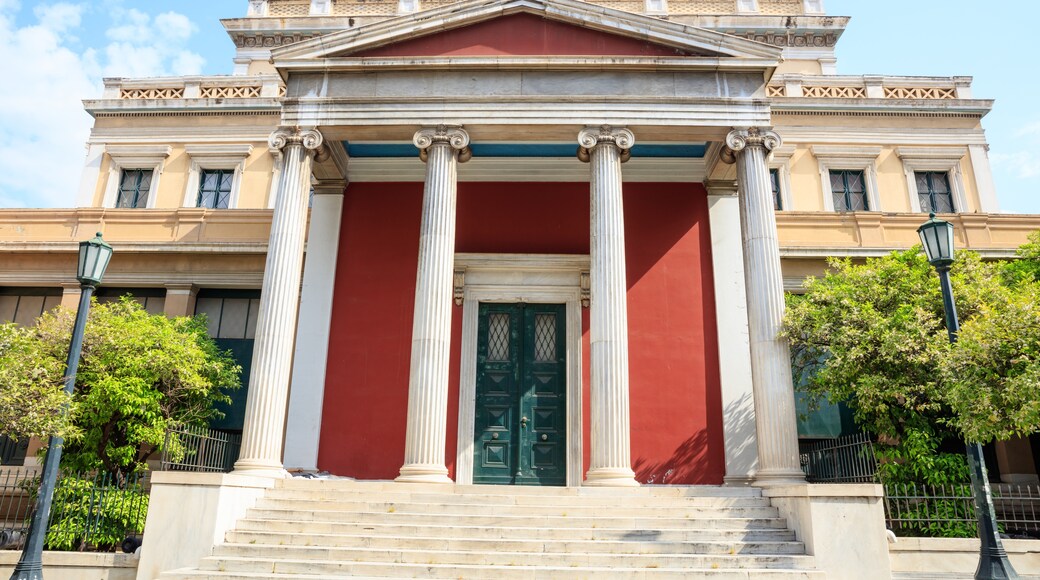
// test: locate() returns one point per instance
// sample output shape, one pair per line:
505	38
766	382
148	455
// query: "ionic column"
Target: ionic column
773	388
266	401
442	148
605	149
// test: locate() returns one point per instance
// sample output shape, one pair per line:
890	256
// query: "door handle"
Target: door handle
523	422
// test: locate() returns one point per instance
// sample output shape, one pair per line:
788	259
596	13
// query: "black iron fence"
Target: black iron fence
848	459
921	510
200	449
949	510
89	512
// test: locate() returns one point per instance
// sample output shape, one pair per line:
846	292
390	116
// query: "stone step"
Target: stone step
261	567
542	521
322	493
635	545
678	509
446	530
454	489
370	571
330	559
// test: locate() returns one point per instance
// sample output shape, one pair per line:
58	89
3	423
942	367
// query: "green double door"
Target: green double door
521	414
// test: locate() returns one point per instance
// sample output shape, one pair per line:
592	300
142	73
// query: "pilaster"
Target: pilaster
70	292
180	299
738	401
605	149
306	397
773	388
442	148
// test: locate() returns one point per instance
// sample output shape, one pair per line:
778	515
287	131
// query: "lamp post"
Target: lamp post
94	255
937	238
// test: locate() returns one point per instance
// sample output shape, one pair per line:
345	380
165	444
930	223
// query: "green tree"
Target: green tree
139	376
31	395
873	335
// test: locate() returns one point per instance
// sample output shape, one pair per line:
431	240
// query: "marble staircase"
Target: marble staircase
307	529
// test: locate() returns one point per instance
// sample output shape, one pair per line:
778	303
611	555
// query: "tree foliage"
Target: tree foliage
139	376
873	335
31	395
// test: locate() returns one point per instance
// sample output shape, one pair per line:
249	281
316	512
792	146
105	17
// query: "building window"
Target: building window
933	191
152	299
231	319
215	188
133	188
24	305
849	190
133	174
774	184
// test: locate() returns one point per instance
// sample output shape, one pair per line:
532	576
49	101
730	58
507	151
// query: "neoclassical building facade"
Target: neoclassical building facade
660	173
525	242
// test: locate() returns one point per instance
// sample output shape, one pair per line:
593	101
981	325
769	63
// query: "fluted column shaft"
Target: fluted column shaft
605	148
266	401
775	416
442	149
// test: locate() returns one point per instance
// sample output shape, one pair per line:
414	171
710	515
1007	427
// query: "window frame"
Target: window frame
936	160
215	158
134	157
843	158
780	160
138	200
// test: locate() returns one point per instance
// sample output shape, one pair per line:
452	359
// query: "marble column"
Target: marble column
775	418
442	148
266	400
605	149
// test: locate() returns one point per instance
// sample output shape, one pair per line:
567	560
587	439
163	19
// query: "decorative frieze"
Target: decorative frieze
270	40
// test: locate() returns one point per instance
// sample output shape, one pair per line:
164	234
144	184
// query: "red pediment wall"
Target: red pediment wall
522	35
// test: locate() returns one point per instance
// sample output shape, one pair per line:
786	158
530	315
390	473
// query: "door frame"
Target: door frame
512	278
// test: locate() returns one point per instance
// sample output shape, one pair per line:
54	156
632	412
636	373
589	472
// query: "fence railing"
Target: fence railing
848	459
200	449
89	511
949	510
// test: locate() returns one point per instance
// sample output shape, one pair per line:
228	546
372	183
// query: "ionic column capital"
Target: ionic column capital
451	135
591	137
740	139
310	139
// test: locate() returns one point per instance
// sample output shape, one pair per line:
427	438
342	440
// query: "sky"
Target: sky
57	53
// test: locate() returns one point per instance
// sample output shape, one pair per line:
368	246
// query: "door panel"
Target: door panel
520	422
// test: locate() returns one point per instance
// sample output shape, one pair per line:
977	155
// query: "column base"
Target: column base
610	477
767	478
738	480
260	468
419	473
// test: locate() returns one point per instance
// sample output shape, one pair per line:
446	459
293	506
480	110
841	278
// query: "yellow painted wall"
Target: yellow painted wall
806	188
891	183
807	67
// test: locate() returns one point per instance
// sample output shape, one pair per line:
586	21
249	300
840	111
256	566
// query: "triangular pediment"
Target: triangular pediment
526	28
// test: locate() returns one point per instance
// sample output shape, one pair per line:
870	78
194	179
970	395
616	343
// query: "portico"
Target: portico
679	90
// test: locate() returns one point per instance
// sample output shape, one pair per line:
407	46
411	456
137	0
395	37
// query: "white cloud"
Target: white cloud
1022	164
43	126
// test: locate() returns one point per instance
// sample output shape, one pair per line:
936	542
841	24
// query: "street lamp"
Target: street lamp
937	238
94	255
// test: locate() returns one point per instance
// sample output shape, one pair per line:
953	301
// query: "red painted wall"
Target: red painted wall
676	404
521	35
